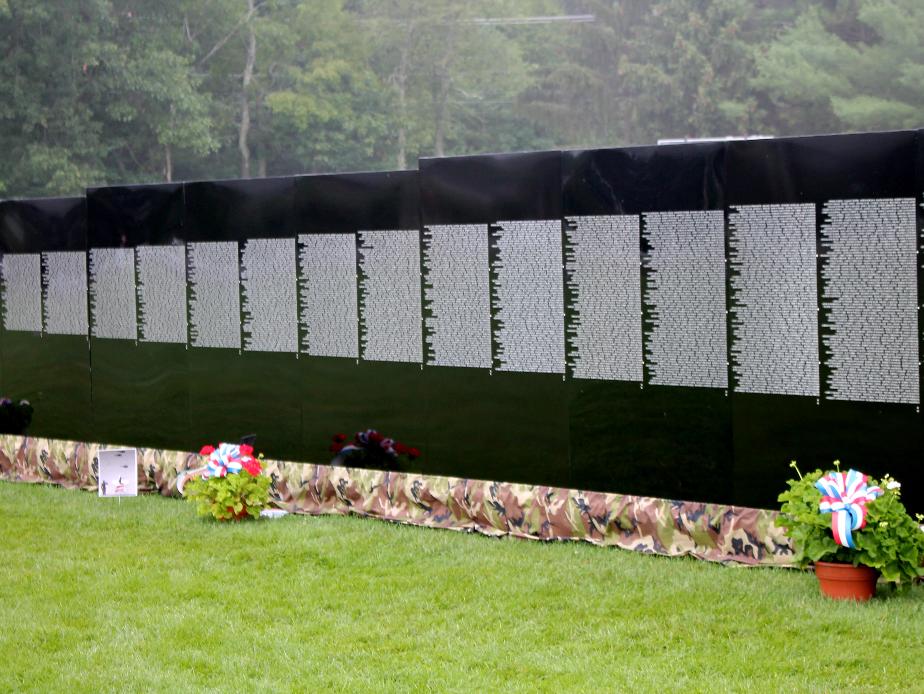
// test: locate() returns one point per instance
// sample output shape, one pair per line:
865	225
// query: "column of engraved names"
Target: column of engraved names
869	297
64	292
327	290
389	295
527	296
22	292
112	293
685	290
161	272
603	263
214	294
457	295
774	314
269	287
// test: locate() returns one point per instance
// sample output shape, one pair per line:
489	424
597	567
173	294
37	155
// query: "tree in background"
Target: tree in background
644	71
92	91
123	91
329	110
153	101
239	48
854	66
456	80
50	132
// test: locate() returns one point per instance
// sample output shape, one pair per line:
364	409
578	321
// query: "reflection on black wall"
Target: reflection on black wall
51	370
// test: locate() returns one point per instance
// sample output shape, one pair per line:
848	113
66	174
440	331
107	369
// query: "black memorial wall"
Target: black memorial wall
644	239
138	325
675	321
359	308
243	346
43	333
824	272
493	318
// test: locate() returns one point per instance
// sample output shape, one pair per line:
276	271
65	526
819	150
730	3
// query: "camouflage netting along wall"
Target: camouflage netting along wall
657	526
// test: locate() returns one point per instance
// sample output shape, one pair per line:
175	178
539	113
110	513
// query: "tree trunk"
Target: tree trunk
168	164
441	107
439	136
249	62
400	80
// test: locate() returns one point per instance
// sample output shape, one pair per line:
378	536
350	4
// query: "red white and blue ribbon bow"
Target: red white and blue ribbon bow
228	458
844	495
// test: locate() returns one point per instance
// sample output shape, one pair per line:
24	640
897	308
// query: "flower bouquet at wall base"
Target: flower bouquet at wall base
231	486
370	449
15	417
838	520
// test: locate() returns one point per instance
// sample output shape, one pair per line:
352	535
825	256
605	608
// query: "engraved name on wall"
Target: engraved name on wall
214	294
21	274
527	296
869	294
161	272
389	295
112	293
603	269
774	312
64	293
327	291
685	291
269	285
457	295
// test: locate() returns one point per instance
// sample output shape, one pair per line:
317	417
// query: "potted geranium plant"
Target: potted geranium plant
231	486
853	529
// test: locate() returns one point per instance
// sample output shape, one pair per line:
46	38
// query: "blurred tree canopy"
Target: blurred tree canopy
125	91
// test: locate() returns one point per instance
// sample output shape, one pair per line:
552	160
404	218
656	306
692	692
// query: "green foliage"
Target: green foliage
229	497
891	542
327	109
853	66
114	91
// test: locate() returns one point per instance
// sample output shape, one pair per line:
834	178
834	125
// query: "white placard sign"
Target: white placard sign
118	472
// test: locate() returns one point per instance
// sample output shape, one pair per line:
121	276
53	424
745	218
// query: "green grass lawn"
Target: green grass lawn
145	596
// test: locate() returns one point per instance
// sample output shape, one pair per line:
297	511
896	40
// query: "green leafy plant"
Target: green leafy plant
891	542
229	498
232	486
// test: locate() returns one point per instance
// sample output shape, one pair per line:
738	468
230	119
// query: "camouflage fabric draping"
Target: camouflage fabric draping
714	532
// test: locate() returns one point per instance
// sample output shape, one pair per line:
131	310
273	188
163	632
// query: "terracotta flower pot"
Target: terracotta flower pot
846	581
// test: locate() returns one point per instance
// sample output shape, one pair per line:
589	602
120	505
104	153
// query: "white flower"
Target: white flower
894	485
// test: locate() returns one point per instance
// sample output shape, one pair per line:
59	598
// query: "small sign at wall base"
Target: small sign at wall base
118	472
